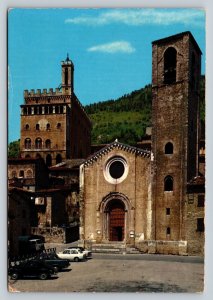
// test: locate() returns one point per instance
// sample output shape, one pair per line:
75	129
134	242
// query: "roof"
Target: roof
178	36
120	146
198	180
67	165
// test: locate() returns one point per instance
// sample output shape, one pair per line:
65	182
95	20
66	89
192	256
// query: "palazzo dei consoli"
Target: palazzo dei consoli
119	196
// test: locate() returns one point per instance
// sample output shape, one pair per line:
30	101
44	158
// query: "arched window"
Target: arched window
48	160
48	126
27	143
170	61
48	144
38	155
168	184
29	173
27	156
37	127
21	173
58	159
169	148
58	125
38	143
14	174
27	127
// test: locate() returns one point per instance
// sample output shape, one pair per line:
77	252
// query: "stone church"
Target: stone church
153	199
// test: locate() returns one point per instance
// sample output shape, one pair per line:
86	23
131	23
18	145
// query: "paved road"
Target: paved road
123	273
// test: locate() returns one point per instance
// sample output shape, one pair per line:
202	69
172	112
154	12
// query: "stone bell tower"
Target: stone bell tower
67	68
176	67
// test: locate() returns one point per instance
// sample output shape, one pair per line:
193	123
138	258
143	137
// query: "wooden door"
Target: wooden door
116	221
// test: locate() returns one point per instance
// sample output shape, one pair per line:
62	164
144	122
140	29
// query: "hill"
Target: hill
125	118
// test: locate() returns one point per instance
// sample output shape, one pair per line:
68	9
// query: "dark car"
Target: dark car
52	259
31	268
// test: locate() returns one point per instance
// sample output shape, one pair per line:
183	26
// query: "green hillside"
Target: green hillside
125	118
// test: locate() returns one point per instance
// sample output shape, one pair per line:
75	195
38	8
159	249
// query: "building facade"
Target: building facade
54	125
141	197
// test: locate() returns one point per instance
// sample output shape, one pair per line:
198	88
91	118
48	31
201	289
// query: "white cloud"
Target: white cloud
137	17
114	47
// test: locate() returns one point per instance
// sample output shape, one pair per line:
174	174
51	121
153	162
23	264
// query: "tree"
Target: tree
14	149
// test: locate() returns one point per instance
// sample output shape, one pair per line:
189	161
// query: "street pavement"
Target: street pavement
123	273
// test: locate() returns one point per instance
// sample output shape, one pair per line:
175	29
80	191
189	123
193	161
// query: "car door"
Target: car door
66	254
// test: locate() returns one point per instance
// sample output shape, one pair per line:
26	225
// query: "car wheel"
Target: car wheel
76	259
43	276
14	276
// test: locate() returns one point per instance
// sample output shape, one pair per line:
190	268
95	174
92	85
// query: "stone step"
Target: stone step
114	248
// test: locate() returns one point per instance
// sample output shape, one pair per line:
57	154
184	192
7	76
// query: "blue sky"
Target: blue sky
110	48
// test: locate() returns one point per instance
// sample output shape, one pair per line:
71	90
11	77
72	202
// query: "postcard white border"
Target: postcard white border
208	6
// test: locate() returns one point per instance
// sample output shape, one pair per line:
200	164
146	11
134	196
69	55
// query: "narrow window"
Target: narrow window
21	173
37	127
200	224
66	76
168	184
168	230
200	201
29	174
14	174
169	148
58	159
27	143
168	211
59	126
38	143
48	126
27	126
170	61
48	144
48	160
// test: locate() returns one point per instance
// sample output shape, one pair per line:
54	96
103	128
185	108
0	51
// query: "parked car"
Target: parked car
72	254
52	259
87	252
31	268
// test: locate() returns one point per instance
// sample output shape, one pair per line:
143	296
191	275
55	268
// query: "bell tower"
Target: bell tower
176	67
67	85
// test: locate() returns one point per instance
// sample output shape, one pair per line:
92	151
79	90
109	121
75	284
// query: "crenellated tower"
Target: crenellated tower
54	125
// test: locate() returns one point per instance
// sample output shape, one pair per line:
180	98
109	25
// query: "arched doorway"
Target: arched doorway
58	158
49	160
116	215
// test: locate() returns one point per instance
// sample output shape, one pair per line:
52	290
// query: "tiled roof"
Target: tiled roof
68	164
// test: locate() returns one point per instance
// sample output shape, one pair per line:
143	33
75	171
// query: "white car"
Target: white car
72	254
88	253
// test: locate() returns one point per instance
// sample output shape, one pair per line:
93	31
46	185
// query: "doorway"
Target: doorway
116	220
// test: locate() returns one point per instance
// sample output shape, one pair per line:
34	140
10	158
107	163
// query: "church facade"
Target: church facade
147	199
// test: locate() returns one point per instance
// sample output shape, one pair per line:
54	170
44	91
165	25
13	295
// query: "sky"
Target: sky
111	50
